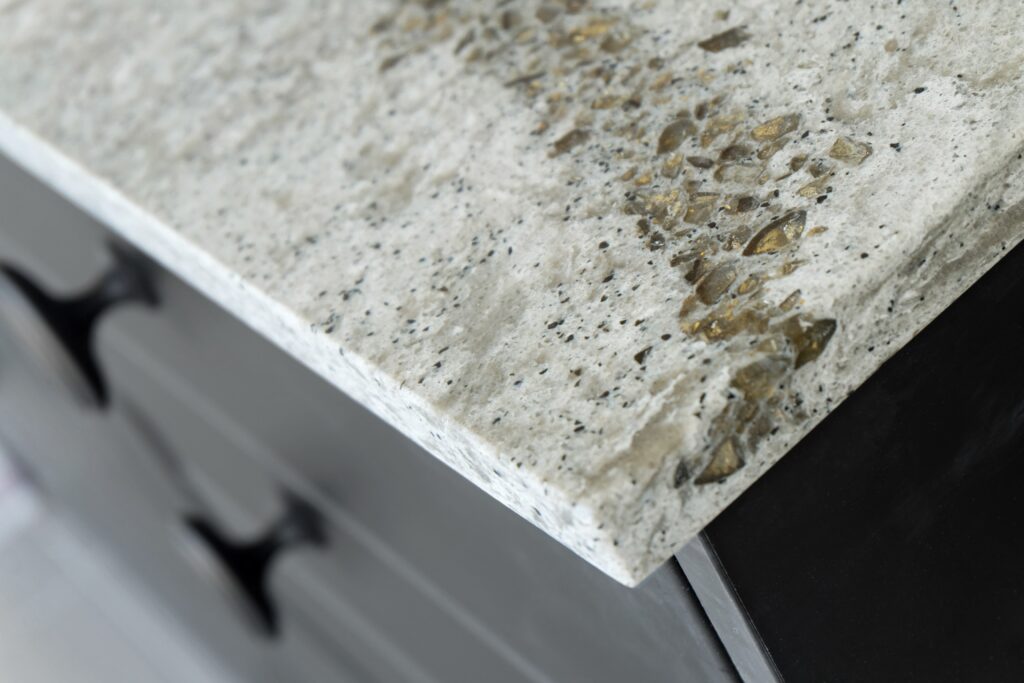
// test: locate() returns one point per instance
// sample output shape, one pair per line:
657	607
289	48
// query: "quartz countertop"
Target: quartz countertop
608	260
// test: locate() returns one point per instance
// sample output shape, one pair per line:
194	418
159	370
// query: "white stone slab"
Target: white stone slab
539	238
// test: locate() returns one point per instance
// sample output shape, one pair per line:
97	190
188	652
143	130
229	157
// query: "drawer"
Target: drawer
98	473
423	571
347	606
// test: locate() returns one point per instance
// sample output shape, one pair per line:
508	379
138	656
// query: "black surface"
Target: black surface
887	545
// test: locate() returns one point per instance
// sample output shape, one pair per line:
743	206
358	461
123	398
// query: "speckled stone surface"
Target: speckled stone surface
607	260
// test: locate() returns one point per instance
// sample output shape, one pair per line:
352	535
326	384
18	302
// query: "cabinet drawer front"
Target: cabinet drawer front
99	474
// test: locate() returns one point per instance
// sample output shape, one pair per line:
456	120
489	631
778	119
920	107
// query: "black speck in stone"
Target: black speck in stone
641	355
895	145
918	91
603	245
681	474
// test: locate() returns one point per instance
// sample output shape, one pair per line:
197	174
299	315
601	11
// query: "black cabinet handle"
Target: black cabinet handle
239	569
56	332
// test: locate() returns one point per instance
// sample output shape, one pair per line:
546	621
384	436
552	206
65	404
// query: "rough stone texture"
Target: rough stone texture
608	260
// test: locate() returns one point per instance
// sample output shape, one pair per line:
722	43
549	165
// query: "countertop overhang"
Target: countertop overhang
608	260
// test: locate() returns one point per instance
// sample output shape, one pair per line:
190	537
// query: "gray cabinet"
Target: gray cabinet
423	576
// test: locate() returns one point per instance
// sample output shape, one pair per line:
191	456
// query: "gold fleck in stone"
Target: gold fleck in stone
742	233
797	162
606	101
706	76
598	27
809	340
819	167
700	208
725	40
748	411
628	175
776	128
644	179
701	162
790	267
672	166
740	204
718	125
725	462
716	283
758	379
777	234
727	320
735	153
744	173
817	230
688	306
698	269
573	138
790	301
770	149
615	42
815	187
850	151
661	81
751	284
547	13
674	134
525	36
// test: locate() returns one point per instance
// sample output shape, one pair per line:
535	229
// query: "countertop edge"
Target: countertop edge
577	522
